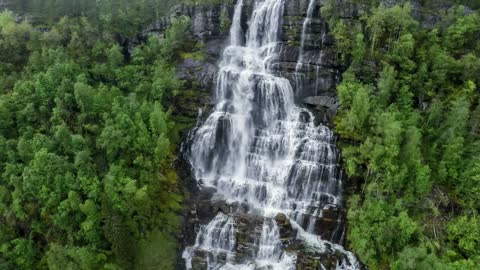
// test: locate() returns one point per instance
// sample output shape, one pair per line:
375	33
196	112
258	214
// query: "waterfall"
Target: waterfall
259	149
306	25
303	37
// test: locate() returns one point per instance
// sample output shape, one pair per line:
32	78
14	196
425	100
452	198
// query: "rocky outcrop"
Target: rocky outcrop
326	260
320	70
209	21
209	29
331	225
318	75
249	227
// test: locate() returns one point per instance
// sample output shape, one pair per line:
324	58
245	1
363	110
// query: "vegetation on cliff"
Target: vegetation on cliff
121	17
88	130
87	134
409	121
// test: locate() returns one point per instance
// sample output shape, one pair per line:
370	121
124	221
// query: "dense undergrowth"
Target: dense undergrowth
410	128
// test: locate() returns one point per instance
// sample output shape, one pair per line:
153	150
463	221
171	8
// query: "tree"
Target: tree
85	170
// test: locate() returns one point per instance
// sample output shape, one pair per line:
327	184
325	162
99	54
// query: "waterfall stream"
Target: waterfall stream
259	149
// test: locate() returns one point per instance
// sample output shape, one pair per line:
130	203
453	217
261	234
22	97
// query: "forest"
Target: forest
409	124
89	129
87	137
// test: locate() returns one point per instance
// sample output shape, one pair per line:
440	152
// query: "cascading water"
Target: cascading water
306	25
260	150
301	56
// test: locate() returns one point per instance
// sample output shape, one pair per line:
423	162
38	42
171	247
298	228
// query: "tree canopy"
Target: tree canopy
87	137
409	128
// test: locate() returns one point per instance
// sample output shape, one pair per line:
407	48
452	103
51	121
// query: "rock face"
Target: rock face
208	20
209	27
249	226
320	70
318	75
320	261
211	219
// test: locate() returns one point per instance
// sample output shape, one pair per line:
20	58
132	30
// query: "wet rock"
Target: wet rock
323	101
305	117
248	229
206	193
328	40
314	262
331	224
331	257
221	206
200	258
287	233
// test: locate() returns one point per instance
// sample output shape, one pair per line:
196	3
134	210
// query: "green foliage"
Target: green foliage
418	258
225	21
87	136
65	257
355	96
122	18
409	126
466	232
156	251
379	229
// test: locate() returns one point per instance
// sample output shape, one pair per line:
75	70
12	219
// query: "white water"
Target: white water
306	25
259	149
301	57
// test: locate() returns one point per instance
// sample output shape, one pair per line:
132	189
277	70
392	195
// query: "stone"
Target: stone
287	233
200	73
324	101
326	260
331	224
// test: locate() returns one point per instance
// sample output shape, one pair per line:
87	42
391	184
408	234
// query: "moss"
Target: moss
198	55
225	21
293	43
185	112
293	29
293	34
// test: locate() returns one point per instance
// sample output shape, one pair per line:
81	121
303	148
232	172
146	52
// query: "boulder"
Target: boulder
287	233
322	101
331	225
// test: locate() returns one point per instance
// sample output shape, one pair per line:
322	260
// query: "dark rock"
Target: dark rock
331	224
196	73
206	193
321	261
328	40
199	259
323	101
248	229
287	233
214	48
